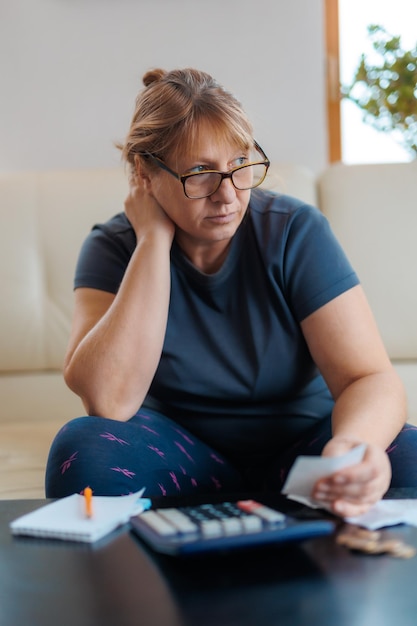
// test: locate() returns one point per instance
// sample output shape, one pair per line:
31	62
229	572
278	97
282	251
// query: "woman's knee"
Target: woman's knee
78	452
403	456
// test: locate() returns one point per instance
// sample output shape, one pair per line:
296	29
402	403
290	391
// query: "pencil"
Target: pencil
88	497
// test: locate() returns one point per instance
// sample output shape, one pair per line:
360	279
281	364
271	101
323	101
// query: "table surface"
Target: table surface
119	582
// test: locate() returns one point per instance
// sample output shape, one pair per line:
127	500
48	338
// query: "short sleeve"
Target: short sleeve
316	269
105	255
303	257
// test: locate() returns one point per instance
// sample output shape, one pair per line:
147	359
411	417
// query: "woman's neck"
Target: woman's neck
207	258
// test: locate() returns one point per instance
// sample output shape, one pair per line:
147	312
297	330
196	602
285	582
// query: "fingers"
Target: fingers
144	212
350	509
353	490
350	493
132	178
355	481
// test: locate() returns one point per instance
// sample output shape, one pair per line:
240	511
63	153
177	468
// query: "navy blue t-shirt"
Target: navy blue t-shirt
233	344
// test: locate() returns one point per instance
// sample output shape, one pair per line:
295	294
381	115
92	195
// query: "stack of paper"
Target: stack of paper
67	519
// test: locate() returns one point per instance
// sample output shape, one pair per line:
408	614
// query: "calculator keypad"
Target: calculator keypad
224	526
213	520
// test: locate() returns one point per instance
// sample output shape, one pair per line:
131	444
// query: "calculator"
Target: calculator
221	526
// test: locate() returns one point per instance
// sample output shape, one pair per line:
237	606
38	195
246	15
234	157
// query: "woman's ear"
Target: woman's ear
142	173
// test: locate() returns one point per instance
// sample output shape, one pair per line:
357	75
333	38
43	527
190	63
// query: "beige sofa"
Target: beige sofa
44	216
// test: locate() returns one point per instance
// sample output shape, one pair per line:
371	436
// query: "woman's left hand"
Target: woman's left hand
353	490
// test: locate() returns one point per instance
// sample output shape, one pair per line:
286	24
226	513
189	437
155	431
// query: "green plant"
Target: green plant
386	88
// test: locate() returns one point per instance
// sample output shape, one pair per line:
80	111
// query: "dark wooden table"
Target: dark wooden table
119	582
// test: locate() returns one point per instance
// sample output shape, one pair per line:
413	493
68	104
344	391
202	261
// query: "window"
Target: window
350	139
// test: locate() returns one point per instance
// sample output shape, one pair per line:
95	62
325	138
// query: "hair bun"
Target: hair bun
153	76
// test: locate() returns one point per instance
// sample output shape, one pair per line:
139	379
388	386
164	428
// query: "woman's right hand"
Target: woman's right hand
143	210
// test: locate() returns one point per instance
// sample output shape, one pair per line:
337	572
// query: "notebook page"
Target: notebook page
66	518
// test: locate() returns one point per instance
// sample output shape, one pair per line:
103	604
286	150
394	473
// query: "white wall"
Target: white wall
70	71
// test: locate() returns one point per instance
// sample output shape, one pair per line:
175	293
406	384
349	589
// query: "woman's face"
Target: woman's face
207	222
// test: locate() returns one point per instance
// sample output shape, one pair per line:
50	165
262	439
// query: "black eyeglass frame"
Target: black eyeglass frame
184	177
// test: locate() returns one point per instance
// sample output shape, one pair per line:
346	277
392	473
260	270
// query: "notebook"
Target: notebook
66	518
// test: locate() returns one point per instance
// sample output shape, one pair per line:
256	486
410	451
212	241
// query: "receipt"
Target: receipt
307	470
387	513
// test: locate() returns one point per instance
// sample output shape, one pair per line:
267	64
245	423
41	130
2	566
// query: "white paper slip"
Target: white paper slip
307	470
66	518
387	513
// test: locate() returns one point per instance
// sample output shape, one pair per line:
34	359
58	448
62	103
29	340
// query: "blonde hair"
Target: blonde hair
172	108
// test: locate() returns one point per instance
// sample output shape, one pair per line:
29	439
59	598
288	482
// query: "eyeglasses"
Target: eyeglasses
198	185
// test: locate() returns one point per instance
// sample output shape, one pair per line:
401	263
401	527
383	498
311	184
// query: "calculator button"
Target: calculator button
251	523
157	523
179	520
211	528
231	525
267	514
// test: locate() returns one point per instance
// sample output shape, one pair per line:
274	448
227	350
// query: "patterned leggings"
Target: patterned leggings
152	451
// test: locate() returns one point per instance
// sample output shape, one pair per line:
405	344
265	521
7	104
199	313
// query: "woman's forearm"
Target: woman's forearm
371	409
113	365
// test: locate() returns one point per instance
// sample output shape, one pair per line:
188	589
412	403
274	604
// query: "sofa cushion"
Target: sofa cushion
37	396
44	218
292	180
372	209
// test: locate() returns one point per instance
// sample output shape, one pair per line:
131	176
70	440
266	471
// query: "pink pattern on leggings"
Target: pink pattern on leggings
157	450
112	437
184	436
184	451
216	482
175	480
67	464
216	458
125	472
150	430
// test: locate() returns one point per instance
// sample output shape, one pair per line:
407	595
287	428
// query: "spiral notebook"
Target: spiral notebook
66	518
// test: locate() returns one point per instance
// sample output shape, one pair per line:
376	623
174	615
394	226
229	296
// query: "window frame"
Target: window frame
333	96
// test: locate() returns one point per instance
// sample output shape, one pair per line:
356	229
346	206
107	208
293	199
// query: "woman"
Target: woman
219	330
